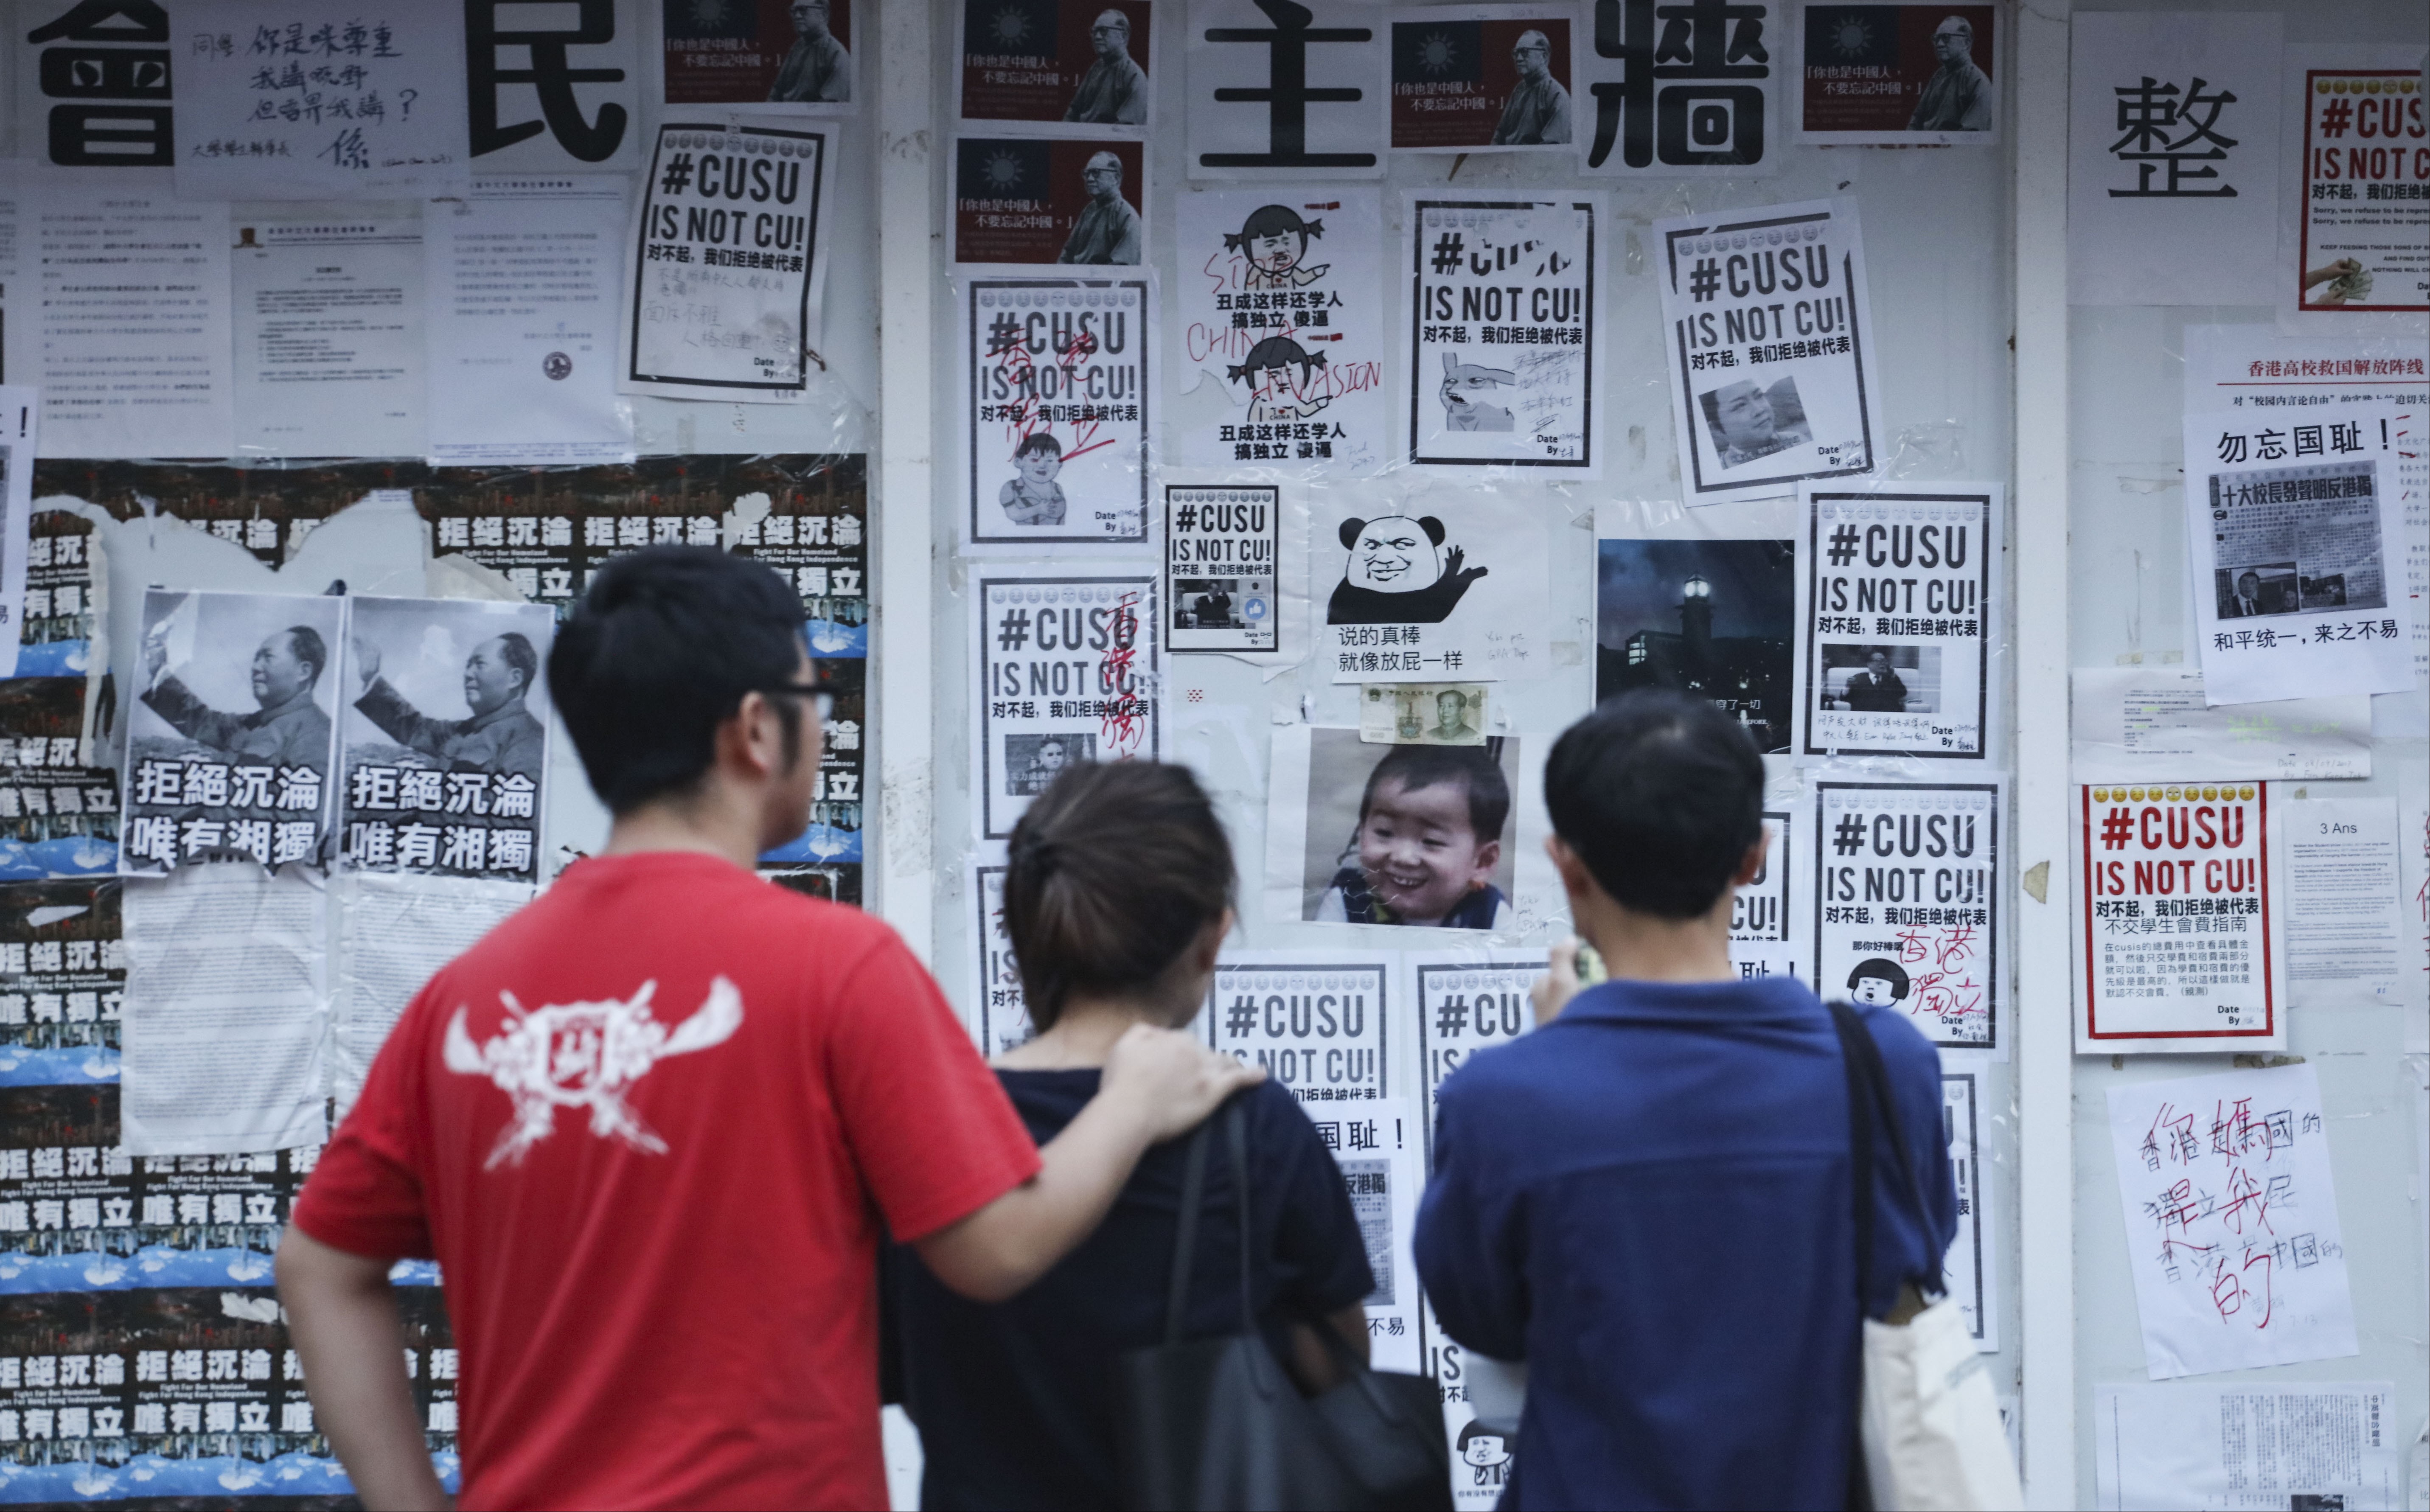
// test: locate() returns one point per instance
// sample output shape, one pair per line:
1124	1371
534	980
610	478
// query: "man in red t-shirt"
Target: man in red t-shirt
650	1127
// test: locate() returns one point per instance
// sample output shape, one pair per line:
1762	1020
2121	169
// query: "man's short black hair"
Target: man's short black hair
1473	768
305	644
516	648
659	653
1660	793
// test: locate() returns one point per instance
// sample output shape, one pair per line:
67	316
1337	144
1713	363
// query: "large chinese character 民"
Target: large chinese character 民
552	74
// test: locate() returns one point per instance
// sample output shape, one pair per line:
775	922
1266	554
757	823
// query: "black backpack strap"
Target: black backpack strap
1185	1236
1855	1043
1236	1132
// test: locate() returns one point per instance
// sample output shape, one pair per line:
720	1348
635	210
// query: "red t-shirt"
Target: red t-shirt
648	1127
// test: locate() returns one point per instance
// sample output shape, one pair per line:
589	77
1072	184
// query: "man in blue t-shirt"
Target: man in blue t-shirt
1648	1199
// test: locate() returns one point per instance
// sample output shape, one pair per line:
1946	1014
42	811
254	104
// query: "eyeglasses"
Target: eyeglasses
822	692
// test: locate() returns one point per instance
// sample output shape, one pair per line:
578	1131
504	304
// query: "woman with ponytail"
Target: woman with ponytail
1116	896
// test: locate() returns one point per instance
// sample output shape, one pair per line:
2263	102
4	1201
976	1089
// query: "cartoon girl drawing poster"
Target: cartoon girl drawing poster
1283	304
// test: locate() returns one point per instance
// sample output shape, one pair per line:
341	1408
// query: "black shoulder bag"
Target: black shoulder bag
1210	1424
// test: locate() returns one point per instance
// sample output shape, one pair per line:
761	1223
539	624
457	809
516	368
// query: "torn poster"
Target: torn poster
58	816
730	264
1474	79
2184	932
1068	670
1770	348
1715	617
281	100
227	1002
1966	1272
1898	76
1057	66
2231	1220
1705	104
1293	91
1003	1019
1899	606
133	286
1907	902
779	51
1407	835
67	588
1280	306
1764	937
1499	351
1223	557
444	736
1466	1001
1316	1022
522	287
2362	225
399	931
62	982
328	338
1056	419
1449	586
1077	202
2295	541
2227	1448
1376	1145
230	745
2172	141
2346	939
2149	724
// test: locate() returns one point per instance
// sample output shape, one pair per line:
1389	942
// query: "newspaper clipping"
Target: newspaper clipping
1899	613
1375	1145
1283	308
2183	937
730	268
1004	1011
1315	1023
1906	909
446	738
231	744
2296	538
1222	549
1477	78
1058	65
1058	410
1770	348
1070	669
1020	201
1450	586
58	816
1491	280
1899	75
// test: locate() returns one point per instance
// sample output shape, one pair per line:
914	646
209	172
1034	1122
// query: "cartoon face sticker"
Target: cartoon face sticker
1395	554
1877	982
1468	391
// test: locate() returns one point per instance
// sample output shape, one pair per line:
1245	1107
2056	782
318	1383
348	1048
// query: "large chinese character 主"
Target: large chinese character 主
1287	93
2148	115
1708	123
551	74
119	79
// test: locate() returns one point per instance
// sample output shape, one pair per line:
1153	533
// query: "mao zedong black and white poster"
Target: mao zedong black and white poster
1898	603
1068	669
445	737
729	268
1500	345
1446	585
1056	410
231	740
1907	902
1283	91
1769	340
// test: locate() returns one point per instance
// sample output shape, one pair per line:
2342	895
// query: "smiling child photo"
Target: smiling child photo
1408	835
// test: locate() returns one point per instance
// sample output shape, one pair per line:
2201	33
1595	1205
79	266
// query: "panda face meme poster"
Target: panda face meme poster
1437	587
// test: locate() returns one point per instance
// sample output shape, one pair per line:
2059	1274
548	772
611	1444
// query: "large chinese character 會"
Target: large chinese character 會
132	128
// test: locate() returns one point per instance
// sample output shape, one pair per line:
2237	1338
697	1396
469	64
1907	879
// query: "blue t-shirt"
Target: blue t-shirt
1012	1400
1647	1200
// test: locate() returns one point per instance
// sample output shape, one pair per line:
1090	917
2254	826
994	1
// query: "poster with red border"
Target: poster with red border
2363	223
2179	918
